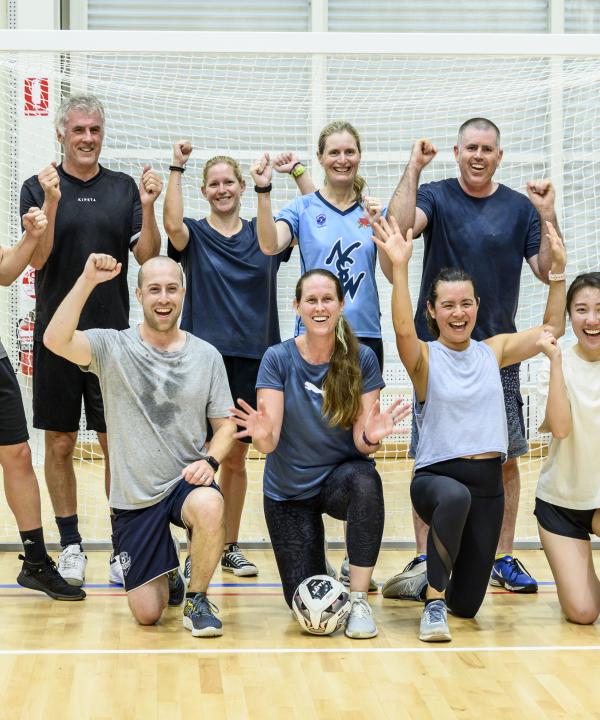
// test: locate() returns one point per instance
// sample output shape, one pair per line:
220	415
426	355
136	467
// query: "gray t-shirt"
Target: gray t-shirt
156	406
3	352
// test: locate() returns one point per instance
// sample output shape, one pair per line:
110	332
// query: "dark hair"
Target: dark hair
591	279
444	275
342	387
340	126
481	124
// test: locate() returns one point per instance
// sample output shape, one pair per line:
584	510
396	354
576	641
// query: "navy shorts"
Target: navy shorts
513	406
13	425
563	521
143	537
241	375
58	388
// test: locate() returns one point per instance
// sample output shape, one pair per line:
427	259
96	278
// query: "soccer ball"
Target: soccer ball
321	604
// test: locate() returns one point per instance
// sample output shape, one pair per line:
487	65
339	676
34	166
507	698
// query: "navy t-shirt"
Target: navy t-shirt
231	289
308	449
100	215
487	237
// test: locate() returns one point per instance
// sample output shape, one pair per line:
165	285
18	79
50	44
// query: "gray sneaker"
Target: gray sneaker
434	622
345	576
360	624
409	584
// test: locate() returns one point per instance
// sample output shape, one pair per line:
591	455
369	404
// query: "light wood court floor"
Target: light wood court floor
518	659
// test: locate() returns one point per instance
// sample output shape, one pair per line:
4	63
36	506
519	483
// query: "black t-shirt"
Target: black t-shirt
101	215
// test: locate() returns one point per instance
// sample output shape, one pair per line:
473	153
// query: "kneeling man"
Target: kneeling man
159	384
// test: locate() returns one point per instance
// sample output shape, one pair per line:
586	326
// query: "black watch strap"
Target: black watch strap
213	462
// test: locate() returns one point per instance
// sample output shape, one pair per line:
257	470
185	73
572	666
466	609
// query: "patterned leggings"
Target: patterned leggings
352	492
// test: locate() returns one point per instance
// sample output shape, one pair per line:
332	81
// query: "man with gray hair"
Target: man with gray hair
484	227
89	209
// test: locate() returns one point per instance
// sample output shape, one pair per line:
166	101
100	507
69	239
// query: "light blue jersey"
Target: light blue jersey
339	241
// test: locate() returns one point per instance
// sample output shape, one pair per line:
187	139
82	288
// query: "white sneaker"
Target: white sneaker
71	565
115	570
360	624
345	576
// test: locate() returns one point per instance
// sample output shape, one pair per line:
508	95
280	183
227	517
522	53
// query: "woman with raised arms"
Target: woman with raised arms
457	485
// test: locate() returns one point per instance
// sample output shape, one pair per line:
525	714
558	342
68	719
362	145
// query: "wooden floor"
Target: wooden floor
518	659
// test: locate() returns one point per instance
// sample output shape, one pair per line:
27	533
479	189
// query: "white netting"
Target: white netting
547	108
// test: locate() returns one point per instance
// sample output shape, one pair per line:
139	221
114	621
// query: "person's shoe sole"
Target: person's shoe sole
240	572
360	635
205	632
436	637
29	582
512	588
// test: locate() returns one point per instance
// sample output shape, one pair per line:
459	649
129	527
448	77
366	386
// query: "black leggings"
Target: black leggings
352	492
462	501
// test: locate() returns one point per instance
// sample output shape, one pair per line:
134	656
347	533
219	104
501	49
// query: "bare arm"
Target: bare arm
403	203
148	245
413	352
373	424
557	419
201	472
543	196
14	260
49	180
62	336
176	229
273	237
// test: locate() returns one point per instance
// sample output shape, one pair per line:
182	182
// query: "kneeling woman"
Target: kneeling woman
318	419
568	493
459	408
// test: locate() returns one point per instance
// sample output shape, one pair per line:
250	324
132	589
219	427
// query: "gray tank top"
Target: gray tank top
463	412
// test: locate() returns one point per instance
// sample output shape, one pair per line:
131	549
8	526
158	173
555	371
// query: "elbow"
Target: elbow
266	249
560	430
50	340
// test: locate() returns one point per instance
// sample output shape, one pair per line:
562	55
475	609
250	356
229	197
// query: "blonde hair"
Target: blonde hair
340	126
217	160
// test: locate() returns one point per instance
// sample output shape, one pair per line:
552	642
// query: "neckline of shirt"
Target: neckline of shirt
334	208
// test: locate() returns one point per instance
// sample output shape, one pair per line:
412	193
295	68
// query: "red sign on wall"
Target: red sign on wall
36	96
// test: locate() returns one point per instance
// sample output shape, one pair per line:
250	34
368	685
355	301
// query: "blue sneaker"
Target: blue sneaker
434	623
510	573
199	617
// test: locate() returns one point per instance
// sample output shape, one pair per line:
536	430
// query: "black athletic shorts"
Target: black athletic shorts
563	521
58	388
143	539
13	425
376	345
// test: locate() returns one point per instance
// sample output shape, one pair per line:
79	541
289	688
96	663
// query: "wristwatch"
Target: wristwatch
297	170
213	462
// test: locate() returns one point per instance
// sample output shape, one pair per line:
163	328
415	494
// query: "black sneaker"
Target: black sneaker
234	561
176	587
44	576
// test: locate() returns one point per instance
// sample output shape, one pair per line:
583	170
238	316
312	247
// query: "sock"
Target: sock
500	556
33	545
422	556
191	595
69	531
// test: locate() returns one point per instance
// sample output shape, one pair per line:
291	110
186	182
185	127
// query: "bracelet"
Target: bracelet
366	440
213	462
176	168
556	277
265	189
297	170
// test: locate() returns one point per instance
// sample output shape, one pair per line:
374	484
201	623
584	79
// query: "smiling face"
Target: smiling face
585	319
455	312
478	157
222	189
340	158
82	142
161	294
319	306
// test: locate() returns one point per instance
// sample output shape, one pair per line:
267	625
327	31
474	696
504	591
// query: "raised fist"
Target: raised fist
422	153
150	186
262	171
101	268
285	161
35	222
49	179
542	194
181	152
547	344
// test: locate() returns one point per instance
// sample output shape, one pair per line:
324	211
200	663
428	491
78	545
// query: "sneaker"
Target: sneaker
176	587
345	576
115	570
360	624
234	561
44	576
434	622
71	565
510	573
199	617
410	583
187	570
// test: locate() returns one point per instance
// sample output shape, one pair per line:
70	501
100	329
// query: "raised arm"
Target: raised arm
288	163
413	352
176	229
557	419
543	197
49	181
14	260
148	245
264	424
515	347
62	336
273	237
372	425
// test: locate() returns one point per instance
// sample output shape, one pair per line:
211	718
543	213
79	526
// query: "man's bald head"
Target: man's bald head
158	264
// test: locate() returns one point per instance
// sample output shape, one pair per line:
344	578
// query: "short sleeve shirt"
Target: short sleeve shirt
339	241
489	238
100	215
308	449
231	289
